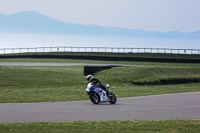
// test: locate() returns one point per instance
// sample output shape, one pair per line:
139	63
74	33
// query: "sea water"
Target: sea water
18	40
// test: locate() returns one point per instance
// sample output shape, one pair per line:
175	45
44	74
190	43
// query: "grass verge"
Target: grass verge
110	54
67	83
188	126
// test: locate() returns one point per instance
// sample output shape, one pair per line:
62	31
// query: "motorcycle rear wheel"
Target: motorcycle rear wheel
113	98
94	97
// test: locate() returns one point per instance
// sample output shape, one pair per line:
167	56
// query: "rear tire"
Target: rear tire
113	98
94	97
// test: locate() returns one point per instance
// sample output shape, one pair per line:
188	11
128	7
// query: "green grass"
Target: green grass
167	126
41	84
141	74
141	55
67	83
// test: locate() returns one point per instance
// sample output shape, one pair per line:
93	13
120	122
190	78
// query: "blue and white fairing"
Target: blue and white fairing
91	87
99	91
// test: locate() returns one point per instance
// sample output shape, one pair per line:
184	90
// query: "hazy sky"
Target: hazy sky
150	15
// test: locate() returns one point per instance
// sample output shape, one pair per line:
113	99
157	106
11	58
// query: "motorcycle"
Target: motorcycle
98	95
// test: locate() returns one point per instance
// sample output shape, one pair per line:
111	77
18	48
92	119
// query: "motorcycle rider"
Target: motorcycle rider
97	83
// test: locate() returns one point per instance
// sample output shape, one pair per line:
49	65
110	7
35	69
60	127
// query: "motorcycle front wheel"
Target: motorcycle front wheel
113	98
94	97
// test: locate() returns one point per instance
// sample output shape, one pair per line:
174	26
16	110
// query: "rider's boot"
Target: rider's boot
108	94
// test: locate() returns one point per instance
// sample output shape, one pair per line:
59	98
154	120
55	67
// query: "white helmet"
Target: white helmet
89	77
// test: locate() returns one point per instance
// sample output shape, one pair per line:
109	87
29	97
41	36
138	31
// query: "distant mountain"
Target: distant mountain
34	22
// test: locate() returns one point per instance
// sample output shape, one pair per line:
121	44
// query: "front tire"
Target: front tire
94	97
113	98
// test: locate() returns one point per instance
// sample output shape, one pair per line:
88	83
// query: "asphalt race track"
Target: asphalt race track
155	107
43	64
55	64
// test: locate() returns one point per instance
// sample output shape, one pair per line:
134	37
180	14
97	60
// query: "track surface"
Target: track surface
155	107
55	64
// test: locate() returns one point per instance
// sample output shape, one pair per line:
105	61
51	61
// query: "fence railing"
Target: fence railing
98	49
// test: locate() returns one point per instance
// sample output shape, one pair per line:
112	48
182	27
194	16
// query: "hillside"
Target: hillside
34	22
